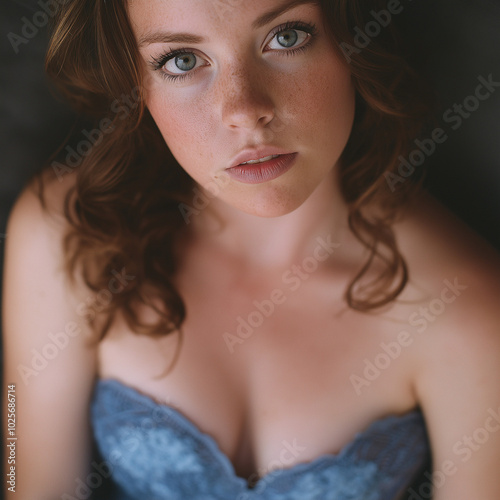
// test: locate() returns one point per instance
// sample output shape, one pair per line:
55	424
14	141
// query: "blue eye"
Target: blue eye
178	64
181	63
291	36
288	39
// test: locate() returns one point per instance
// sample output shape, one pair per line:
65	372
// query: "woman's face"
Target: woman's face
233	81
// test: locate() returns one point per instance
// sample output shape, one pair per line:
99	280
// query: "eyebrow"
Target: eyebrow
188	38
167	37
272	15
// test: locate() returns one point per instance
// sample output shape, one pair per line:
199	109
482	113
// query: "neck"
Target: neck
278	241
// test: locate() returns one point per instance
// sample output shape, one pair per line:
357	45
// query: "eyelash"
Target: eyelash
159	62
310	29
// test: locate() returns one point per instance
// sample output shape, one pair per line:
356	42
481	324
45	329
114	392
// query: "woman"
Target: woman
277	318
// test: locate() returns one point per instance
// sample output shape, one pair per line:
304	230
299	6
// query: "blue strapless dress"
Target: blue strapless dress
156	453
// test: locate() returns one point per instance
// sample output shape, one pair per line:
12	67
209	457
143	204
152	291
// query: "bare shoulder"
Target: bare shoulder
40	208
35	232
454	279
48	356
36	285
434	238
455	287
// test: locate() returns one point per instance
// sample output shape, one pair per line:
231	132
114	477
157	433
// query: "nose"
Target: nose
246	99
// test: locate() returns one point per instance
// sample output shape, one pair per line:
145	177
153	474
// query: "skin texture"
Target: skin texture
246	92
296	368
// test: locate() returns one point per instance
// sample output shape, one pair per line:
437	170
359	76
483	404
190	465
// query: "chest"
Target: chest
281	397
264	366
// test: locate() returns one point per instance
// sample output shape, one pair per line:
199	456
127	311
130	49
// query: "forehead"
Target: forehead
147	16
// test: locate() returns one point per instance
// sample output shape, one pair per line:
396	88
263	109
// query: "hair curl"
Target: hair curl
124	209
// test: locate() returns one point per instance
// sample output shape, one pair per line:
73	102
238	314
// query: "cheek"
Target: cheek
328	98
317	105
184	128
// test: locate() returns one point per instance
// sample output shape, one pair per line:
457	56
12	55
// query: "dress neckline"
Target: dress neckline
127	392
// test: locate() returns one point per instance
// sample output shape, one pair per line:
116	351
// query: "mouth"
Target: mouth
263	169
261	160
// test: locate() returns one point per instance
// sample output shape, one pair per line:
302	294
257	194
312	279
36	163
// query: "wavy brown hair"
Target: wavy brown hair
124	209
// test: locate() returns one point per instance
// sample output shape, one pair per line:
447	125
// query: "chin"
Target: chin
271	213
275	204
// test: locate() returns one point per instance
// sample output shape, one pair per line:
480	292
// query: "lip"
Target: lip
261	172
256	154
